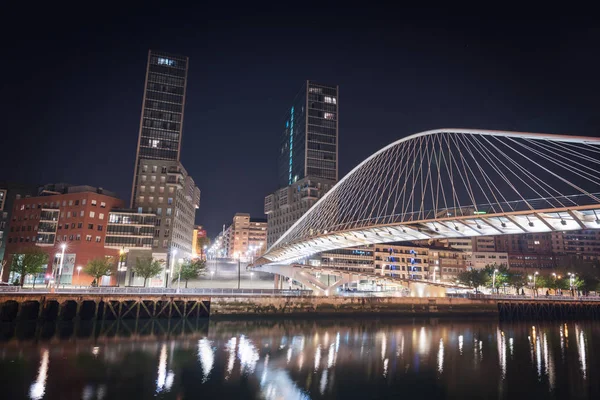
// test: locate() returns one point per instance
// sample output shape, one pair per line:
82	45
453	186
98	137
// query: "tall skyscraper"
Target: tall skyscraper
308	157
161	184
161	120
309	140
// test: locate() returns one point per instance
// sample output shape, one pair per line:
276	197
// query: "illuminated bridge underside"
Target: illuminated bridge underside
453	183
308	276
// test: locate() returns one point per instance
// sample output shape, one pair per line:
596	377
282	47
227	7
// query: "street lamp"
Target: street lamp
434	271
571	282
237	255
534	288
120	268
212	273
63	246
174	253
78	272
251	275
494	280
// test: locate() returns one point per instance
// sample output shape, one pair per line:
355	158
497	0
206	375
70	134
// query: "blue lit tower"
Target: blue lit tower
308	156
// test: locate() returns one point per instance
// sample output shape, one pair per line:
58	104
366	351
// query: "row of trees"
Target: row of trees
505	279
33	261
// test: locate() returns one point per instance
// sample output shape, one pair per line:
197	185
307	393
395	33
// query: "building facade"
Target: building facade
161	185
165	189
9	192
308	156
246	237
284	207
582	244
161	119
76	216
481	259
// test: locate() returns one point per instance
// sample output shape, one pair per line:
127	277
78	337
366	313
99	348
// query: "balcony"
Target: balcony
49	215
175	171
174	180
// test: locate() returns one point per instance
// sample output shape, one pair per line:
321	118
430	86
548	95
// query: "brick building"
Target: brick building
74	215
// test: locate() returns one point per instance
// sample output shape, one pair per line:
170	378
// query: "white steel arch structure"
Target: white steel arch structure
450	183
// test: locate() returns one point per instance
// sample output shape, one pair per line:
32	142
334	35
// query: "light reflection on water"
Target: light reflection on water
317	359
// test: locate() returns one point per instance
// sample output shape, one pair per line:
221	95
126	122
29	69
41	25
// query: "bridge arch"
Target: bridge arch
451	183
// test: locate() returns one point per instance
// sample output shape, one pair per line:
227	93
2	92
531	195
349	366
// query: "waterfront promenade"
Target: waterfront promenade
135	303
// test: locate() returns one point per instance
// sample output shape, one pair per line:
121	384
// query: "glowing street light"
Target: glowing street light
63	247
79	268
494	280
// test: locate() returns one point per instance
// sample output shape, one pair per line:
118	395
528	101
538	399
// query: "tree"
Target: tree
29	261
99	267
147	267
501	275
517	280
191	269
473	278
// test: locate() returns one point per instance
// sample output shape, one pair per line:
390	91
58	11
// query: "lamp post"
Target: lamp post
237	255
534	288
179	278
120	267
173	256
434	271
571	283
63	246
78	272
494	280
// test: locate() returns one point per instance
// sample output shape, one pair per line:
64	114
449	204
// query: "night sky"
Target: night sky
73	84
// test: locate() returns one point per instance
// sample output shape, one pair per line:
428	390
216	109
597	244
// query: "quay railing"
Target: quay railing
158	291
483	296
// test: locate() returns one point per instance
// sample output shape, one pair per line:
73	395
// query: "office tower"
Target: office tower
161	184
166	189
309	141
308	157
161	120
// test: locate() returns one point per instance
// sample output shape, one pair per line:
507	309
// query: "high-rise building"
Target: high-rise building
161	185
309	141
308	157
165	188
161	120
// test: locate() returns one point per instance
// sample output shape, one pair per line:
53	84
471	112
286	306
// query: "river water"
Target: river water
302	359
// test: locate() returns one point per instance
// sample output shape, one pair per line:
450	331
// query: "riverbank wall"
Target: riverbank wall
328	306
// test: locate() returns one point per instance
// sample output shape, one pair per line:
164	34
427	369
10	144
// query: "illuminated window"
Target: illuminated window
329	115
166	61
330	100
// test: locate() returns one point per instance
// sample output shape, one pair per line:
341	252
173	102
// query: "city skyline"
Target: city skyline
394	81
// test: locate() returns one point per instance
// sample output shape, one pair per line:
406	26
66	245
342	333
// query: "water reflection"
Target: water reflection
313	359
38	388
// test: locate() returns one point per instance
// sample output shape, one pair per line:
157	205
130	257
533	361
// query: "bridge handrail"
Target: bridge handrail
482	296
158	291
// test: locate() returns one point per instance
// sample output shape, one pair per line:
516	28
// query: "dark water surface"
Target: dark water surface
302	359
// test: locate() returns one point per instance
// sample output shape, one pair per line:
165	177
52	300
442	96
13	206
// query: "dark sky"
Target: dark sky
73	83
